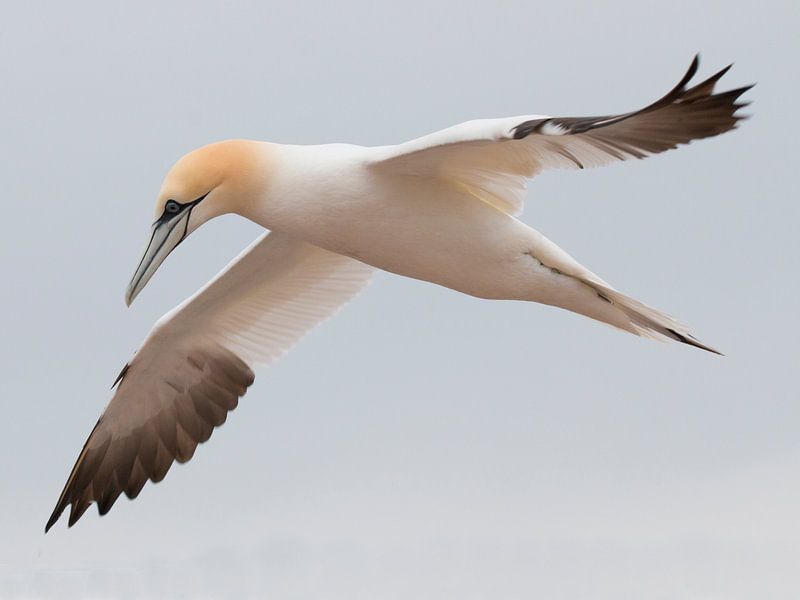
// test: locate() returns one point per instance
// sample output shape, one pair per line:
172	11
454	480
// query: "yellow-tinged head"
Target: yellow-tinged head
206	183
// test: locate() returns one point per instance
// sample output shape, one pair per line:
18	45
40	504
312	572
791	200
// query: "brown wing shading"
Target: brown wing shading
193	366
682	115
165	405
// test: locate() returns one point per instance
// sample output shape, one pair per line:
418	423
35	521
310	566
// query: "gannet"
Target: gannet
441	208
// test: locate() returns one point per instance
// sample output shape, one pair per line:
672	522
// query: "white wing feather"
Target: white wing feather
269	297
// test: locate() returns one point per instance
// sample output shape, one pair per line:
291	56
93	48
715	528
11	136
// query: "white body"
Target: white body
420	227
417	227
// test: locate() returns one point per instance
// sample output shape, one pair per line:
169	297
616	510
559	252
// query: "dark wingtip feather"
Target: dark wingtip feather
705	88
53	518
735	93
690	72
111	464
76	512
109	496
719	74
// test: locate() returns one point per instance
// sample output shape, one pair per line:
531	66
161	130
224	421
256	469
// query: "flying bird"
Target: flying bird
440	208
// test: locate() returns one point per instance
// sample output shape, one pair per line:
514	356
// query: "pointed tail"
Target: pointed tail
640	319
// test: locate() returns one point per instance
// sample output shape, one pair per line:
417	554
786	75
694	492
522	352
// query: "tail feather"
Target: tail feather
560	280
646	321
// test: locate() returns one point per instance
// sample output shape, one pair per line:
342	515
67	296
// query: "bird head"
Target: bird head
206	183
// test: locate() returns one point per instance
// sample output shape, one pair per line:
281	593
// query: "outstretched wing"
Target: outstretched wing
493	158
196	363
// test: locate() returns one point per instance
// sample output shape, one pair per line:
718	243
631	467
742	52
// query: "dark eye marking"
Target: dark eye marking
173	207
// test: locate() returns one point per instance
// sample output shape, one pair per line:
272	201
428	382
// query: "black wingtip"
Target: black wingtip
52	520
76	513
719	74
680	87
693	66
56	515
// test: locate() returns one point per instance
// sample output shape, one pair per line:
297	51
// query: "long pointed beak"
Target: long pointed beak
165	237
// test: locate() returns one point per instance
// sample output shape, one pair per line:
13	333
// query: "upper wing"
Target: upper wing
492	158
195	364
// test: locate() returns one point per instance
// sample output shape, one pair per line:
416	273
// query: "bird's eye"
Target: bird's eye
172	207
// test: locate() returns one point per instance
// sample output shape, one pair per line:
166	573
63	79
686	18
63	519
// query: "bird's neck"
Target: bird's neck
295	187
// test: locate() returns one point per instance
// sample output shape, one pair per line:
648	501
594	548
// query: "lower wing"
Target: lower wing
196	363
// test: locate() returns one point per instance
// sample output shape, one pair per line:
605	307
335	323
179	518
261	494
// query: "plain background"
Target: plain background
423	444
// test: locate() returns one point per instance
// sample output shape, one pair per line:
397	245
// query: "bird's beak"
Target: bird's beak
166	235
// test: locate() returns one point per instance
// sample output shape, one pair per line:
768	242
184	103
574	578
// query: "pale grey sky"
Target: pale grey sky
423	444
